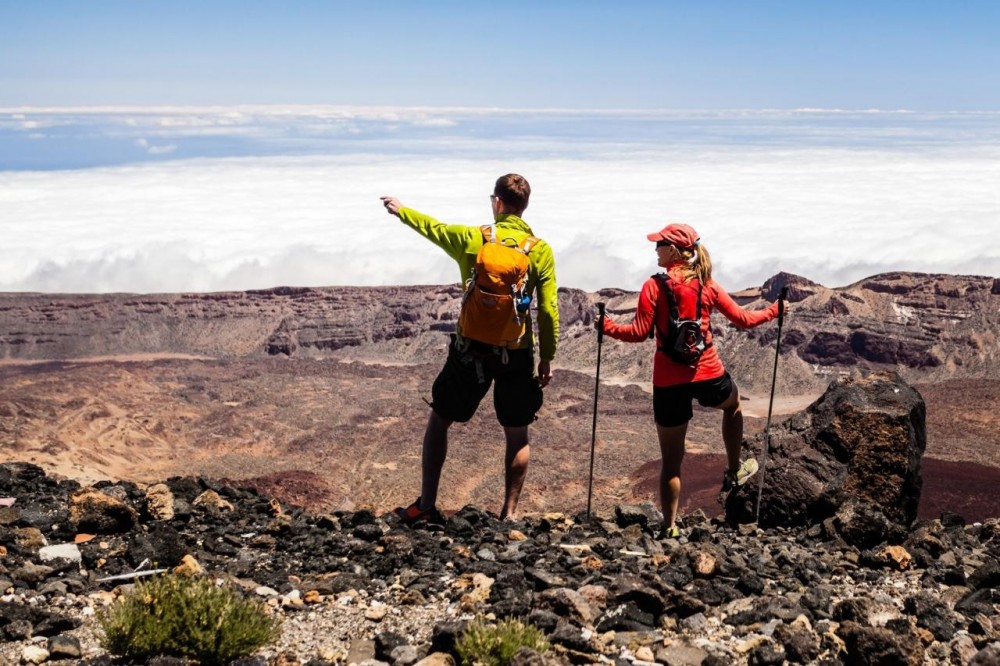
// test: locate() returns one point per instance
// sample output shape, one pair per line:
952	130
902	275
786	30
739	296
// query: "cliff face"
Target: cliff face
928	327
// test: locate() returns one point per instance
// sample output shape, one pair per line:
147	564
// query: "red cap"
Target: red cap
680	235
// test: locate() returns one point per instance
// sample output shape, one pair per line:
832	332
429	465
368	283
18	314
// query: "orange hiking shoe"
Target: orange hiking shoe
413	514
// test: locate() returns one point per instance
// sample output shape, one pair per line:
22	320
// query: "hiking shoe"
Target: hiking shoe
672	532
413	514
743	473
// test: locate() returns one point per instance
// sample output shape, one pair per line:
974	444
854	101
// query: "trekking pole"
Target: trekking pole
770	403
597	386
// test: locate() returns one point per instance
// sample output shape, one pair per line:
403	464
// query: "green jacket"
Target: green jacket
462	244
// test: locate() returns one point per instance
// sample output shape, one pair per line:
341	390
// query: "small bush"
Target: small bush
495	645
186	616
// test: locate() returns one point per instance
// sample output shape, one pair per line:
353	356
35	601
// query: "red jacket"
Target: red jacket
667	372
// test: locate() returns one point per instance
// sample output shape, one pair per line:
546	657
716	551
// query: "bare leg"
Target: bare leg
515	468
671	456
732	428
435	450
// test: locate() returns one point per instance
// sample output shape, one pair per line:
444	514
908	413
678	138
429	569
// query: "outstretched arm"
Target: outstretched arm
642	322
452	238
741	317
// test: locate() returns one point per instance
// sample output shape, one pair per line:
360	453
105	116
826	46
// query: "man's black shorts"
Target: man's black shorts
467	375
672	404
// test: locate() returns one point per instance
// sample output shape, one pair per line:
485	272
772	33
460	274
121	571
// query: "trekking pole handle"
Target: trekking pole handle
600	322
781	303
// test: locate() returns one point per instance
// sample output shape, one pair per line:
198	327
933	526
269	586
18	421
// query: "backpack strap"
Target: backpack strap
490	236
528	243
666	292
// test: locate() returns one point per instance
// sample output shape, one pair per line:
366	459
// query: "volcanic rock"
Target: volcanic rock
91	510
599	592
854	453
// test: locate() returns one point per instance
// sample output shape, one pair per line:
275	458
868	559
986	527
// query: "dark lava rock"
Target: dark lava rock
445	635
766	655
643	515
626	617
875	646
386	642
64	647
988	656
931	614
862	441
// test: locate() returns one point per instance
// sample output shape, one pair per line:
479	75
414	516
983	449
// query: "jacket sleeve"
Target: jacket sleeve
452	238
642	322
548	303
741	317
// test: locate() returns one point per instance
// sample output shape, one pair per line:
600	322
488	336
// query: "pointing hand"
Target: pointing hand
392	205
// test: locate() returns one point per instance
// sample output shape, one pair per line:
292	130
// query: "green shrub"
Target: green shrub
186	616
495	645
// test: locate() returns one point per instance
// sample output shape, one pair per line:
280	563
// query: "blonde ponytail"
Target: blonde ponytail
697	264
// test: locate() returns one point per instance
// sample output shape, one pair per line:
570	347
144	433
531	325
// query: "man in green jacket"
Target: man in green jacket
472	366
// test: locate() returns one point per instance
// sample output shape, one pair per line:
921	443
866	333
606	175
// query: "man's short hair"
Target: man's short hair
514	191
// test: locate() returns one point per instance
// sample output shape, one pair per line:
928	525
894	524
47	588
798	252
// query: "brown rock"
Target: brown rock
160	502
9	515
189	567
92	511
704	563
212	499
898	555
29	537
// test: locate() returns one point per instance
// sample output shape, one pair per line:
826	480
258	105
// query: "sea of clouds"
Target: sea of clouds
207	199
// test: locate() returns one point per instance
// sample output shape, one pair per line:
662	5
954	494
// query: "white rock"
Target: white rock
61	551
33	654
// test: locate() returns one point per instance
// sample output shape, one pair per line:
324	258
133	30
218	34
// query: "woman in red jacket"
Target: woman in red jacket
686	364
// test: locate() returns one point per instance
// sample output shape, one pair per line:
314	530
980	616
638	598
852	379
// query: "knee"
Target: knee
670	467
438	423
736	409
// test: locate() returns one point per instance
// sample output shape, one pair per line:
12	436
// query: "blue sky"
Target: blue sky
919	55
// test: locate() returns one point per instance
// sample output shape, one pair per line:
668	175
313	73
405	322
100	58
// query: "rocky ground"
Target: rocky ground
357	587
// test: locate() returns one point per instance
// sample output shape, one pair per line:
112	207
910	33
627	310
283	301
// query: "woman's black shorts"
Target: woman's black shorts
467	375
672	404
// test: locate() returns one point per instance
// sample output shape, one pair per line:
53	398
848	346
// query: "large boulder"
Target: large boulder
852	456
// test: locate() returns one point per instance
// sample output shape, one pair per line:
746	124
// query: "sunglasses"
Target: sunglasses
663	243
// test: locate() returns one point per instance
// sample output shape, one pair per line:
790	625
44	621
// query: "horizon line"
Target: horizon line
305	108
5	293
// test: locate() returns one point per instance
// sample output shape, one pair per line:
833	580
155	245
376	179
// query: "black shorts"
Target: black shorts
467	375
672	404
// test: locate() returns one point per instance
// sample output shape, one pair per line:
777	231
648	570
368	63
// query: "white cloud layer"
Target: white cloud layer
831	214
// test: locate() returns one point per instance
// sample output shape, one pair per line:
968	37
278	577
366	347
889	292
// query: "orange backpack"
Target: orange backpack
495	305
